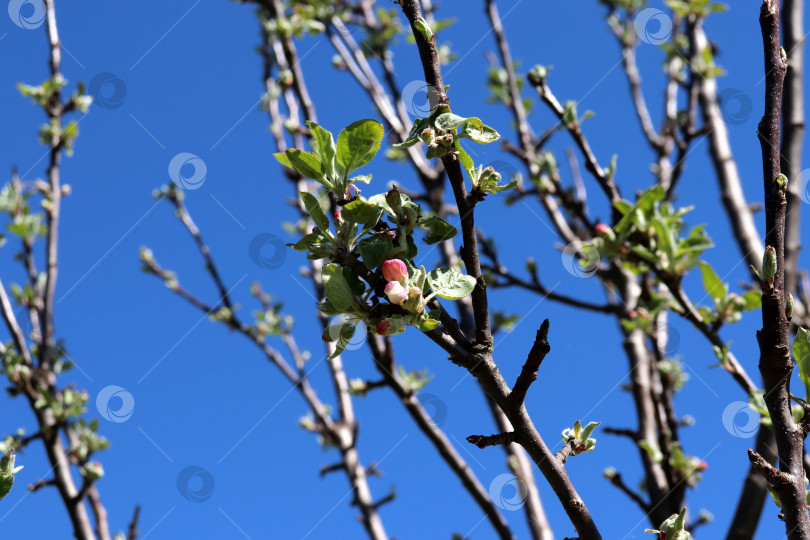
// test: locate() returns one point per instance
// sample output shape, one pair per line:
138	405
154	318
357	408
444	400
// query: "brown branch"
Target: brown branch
793	133
775	363
616	479
529	372
482	441
133	532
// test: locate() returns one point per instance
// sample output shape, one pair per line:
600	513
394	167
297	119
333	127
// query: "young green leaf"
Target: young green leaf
449	122
438	230
360	211
314	208
450	284
337	288
306	163
358	143
711	282
419	125
326	148
475	130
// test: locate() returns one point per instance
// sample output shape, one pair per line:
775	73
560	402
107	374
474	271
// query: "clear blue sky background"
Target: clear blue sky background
193	81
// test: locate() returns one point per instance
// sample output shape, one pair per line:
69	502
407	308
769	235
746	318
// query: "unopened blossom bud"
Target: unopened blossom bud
394	200
338	218
389	327
427	136
396	293
92	470
789	306
395	270
601	229
769	264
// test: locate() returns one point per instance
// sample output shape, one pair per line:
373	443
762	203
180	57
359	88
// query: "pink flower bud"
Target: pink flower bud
396	293
394	270
383	327
601	229
702	466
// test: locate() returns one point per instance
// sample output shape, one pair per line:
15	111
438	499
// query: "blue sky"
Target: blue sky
205	398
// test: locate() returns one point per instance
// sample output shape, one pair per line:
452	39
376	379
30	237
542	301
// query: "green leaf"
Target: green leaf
374	254
449	121
358	143
569	116
326	148
306	163
438	230
337	288
801	352
282	158
360	211
314	209
711	282
419	126
464	158
450	284
645	203
753	299
475	130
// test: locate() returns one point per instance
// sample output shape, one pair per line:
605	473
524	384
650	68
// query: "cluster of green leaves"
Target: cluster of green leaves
580	436
650	235
673	528
684	468
7	472
365	232
53	133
